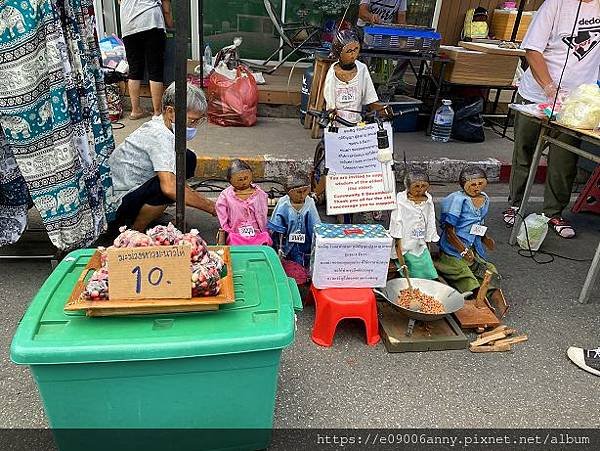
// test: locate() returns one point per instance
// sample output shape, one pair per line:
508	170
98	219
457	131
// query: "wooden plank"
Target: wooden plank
225	296
491	348
471	317
491	49
493	337
512	340
440	335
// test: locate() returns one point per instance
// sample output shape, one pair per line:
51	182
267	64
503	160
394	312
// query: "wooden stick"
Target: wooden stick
491	338
490	348
480	301
512	341
493	331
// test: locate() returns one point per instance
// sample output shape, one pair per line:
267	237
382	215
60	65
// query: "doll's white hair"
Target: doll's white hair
471	173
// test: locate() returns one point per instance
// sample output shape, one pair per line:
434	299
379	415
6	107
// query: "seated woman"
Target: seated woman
143	166
465	238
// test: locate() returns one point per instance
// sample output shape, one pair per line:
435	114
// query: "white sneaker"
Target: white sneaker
586	359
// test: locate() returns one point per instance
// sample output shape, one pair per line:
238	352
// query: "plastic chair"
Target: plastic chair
335	304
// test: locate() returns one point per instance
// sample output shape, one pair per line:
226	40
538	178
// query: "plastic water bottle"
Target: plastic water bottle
207	60
442	124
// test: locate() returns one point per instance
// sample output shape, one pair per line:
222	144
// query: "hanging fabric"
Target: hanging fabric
14	196
54	114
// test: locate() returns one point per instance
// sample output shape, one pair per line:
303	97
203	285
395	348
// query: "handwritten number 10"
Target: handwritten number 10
154	277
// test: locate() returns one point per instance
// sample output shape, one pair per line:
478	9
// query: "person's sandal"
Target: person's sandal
135	117
509	215
562	227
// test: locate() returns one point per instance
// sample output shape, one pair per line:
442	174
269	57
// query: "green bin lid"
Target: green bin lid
262	318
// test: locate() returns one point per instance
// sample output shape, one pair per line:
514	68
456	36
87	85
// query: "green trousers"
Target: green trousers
562	165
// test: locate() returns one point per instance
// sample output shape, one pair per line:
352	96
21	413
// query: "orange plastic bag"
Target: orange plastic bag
232	103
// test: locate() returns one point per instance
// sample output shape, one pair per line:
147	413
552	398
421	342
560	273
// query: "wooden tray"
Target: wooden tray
441	335
118	307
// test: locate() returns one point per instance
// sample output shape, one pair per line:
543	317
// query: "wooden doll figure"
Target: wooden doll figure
292	224
242	209
465	239
413	226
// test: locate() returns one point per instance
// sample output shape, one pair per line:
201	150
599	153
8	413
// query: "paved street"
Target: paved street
353	385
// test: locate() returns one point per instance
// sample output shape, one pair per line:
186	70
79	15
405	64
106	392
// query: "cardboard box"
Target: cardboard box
350	256
503	23
479	68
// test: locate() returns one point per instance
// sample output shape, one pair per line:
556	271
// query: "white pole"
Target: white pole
99	16
195	30
436	14
283	4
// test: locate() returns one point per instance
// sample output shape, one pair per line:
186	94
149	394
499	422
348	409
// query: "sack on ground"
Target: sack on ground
232	102
537	229
468	122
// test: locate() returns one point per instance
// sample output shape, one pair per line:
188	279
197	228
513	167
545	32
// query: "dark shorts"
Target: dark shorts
149	194
146	49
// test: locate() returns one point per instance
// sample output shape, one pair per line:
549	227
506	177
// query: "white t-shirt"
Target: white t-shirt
140	15
148	150
413	223
352	95
550	34
387	10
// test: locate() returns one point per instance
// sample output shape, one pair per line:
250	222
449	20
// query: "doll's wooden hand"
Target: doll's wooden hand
489	243
468	256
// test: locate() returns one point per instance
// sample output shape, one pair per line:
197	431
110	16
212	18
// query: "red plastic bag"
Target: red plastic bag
232	103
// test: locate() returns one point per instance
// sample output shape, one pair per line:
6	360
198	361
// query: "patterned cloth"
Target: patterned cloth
360	231
14	196
53	112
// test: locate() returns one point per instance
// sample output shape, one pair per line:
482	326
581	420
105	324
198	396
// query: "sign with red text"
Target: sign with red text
355	193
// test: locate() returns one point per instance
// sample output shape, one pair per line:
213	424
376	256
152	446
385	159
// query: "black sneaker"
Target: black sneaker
586	359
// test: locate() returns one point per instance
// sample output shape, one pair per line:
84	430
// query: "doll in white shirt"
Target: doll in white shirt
413	226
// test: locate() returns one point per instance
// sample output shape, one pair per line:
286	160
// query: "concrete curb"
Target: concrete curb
444	170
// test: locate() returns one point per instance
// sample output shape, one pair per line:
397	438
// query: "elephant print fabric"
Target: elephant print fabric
54	121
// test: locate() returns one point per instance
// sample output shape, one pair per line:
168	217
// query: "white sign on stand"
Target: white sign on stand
354	193
353	150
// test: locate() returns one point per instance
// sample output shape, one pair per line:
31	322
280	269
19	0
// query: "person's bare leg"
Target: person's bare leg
147	214
134	94
156	90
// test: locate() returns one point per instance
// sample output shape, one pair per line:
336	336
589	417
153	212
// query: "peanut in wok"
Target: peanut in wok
429	304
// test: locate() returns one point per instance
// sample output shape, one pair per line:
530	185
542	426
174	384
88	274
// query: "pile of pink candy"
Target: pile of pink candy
206	265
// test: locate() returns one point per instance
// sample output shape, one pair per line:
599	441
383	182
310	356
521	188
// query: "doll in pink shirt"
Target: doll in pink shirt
242	209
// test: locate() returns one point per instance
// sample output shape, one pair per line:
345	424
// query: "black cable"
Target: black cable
116	125
529	253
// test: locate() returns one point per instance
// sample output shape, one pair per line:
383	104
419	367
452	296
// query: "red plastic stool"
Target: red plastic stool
335	304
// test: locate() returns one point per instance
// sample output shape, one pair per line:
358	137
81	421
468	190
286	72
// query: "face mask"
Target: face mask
190	132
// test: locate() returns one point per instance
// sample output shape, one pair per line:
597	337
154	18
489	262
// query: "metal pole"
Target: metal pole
182	27
522	4
201	27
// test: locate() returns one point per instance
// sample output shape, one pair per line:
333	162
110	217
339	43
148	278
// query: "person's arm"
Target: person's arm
366	15
489	243
192	198
167	13
540	72
457	244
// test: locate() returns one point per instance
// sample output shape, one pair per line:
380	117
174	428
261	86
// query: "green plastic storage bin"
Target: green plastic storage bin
159	379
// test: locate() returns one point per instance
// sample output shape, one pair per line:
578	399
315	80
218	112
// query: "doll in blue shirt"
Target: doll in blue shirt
292	224
465	240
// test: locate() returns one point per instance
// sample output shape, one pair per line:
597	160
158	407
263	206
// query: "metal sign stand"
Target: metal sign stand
182	27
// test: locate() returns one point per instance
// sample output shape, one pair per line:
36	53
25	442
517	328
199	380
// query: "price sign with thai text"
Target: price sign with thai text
155	272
